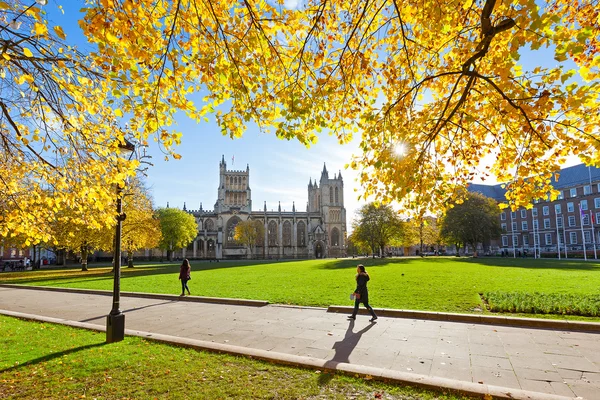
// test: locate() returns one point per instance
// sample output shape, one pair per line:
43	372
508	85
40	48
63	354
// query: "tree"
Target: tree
440	83
178	229
376	225
472	222
249	233
141	228
446	83
424	231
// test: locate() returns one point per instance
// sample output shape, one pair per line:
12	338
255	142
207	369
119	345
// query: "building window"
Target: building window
561	240
587	236
335	237
597	202
587	189
585	219
535	224
546	223
573	192
546	210
534	212
570	207
557	209
503	226
336	196
536	238
523	213
560	195
287	233
525	240
523	225
503	216
231	224
514	226
330	195
272	233
548	238
513	215
505	241
515	241
597	216
559	222
583	205
573	237
571	220
300	234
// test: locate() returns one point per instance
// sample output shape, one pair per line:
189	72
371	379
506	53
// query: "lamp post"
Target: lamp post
115	321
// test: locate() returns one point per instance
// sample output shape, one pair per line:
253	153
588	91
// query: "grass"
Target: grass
42	360
432	283
542	303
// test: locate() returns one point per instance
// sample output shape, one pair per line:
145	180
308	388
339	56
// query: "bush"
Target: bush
543	303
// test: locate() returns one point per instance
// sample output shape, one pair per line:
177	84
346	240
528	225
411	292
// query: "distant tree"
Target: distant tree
471	222
178	229
356	246
249	233
425	232
377	225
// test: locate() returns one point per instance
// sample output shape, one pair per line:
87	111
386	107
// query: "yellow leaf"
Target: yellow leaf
6	56
27	52
118	112
40	29
59	32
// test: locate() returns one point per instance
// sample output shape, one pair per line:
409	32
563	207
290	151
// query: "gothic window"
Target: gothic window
335	237
272	233
300	233
209	225
190	247
330	195
287	233
336	195
231	224
261	238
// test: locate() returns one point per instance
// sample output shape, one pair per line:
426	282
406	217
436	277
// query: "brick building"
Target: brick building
569	224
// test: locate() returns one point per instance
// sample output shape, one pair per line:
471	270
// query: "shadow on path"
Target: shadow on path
344	347
129	310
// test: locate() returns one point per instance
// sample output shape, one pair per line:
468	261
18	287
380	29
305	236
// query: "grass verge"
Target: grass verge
42	360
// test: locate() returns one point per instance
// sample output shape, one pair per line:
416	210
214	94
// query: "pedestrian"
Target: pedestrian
361	294
184	276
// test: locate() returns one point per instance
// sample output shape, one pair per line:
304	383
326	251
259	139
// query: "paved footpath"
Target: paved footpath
509	362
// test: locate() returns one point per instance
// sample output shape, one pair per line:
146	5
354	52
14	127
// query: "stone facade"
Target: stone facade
318	232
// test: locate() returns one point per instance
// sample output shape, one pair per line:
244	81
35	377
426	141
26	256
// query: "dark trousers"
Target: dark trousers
184	286
367	306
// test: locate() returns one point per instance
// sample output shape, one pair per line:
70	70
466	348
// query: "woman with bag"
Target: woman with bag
361	294
184	276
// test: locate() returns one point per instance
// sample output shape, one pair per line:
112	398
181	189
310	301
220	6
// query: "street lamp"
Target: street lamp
115	321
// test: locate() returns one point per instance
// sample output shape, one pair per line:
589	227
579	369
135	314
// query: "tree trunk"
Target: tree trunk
84	257
129	259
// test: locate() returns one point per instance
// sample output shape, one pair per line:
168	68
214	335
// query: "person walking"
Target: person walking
361	294
184	276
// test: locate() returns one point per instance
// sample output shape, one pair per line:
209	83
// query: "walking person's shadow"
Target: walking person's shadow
344	347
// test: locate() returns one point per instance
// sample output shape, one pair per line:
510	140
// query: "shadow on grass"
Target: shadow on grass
52	356
532	263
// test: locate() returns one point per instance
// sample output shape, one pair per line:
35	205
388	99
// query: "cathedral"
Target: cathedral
318	232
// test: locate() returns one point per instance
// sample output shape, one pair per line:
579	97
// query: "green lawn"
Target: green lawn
433	283
41	360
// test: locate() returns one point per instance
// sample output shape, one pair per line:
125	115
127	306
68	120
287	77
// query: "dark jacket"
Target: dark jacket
361	287
184	273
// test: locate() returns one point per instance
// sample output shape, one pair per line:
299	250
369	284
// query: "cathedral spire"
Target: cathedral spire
324	174
279	208
265	206
167	204
310	183
293	206
184	209
200	206
340	175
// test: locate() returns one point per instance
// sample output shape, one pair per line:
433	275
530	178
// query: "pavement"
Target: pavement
496	357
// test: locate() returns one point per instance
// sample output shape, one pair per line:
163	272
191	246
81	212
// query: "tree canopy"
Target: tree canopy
250	233
472	222
178	228
433	88
376	226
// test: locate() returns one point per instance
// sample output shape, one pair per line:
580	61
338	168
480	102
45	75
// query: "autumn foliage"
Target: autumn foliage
435	89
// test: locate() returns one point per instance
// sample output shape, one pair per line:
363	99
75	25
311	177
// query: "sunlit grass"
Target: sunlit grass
47	361
432	283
